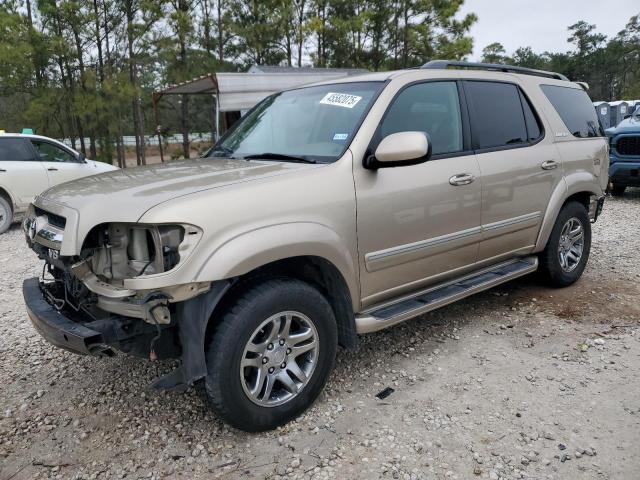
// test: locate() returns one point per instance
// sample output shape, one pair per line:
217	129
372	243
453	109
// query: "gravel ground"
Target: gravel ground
518	382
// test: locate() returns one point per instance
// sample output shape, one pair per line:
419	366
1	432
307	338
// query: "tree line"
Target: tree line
85	69
611	66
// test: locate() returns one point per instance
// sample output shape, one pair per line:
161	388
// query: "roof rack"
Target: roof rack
444	64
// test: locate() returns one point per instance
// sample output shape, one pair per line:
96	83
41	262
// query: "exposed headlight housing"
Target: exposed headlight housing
119	251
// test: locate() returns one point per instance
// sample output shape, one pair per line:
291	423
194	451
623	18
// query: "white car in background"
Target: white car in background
29	164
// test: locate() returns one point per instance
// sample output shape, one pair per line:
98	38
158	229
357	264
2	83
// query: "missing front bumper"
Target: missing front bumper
58	329
78	333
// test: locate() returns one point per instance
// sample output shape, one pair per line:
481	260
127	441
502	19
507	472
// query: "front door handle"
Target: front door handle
461	179
2	170
52	169
549	165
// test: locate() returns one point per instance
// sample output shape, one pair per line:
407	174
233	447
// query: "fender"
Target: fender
571	184
12	198
256	248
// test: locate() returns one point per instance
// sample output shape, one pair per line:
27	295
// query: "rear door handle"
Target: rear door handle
549	165
52	169
461	179
2	170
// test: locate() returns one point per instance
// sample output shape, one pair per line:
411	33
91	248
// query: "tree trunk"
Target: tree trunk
300	32
135	100
405	36
184	107
220	35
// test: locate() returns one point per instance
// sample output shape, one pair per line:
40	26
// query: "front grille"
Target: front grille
629	146
55	220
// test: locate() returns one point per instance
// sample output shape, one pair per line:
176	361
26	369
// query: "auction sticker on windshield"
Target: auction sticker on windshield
340	100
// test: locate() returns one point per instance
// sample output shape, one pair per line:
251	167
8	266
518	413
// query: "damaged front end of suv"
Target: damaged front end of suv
103	300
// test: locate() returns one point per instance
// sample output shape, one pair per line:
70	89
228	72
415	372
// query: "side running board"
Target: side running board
398	311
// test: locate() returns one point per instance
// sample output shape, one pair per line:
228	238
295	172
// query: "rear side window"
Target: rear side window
576	110
497	117
15	150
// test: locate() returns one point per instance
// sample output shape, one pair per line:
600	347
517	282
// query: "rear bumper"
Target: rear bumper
625	173
56	328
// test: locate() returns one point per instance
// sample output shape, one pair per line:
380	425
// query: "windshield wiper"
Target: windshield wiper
228	152
278	156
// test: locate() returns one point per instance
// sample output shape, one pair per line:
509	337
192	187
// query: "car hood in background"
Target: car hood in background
628	125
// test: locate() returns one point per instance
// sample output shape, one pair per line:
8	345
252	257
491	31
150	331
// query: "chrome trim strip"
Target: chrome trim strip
421	245
432	242
511	221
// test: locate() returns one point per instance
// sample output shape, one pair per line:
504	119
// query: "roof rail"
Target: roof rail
444	64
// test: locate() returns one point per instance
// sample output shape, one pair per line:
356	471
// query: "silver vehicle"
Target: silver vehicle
328	211
29	164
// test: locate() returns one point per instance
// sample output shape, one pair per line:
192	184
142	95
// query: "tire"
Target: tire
6	215
551	261
618	190
250	323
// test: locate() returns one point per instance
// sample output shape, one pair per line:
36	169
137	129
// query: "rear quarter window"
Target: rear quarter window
15	150
575	109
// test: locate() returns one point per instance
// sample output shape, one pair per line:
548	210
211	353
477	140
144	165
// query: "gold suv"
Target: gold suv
327	211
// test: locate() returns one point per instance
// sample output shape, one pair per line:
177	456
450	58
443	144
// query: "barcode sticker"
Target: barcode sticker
340	100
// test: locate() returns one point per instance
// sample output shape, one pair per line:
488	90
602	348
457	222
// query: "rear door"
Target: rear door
21	174
62	164
520	167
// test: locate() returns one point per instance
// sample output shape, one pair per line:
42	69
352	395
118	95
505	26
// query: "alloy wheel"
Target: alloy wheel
571	244
279	359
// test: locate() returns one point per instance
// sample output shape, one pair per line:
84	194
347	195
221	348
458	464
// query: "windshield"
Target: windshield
311	123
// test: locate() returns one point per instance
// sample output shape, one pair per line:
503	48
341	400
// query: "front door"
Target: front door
61	164
520	167
419	224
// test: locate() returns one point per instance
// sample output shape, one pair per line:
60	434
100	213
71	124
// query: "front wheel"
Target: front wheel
271	355
565	256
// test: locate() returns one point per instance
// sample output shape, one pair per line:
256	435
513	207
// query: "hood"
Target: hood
124	195
628	125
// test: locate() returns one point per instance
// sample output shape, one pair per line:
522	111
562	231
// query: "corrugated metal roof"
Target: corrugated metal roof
280	69
242	90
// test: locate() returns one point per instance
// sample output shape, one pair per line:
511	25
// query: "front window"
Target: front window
313	123
52	153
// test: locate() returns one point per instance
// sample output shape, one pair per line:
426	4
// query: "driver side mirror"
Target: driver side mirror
81	158
400	149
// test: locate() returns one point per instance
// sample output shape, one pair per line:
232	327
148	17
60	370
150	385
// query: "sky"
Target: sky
542	24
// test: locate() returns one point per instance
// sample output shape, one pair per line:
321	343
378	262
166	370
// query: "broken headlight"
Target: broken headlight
121	251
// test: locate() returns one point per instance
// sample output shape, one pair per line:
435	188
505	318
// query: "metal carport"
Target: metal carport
240	91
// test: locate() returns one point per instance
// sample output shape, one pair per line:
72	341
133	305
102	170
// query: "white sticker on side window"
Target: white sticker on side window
340	100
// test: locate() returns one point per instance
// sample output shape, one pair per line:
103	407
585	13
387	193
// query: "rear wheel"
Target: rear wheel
618	190
565	256
271	355
6	215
